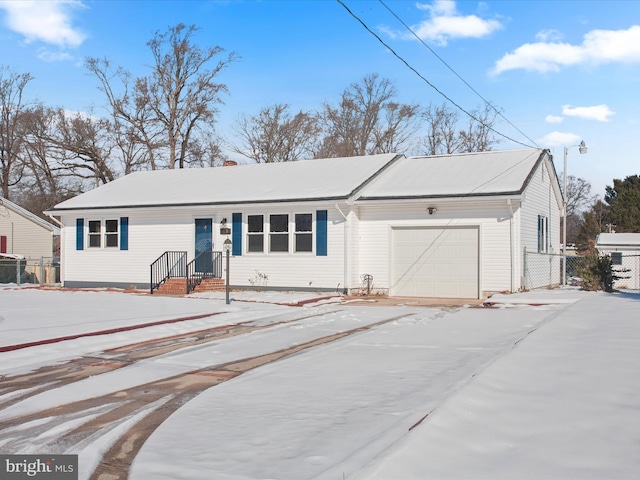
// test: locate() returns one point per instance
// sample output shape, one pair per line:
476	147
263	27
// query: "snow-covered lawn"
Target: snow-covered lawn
544	385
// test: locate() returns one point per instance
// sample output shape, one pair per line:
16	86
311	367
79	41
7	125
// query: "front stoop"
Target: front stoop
178	286
210	285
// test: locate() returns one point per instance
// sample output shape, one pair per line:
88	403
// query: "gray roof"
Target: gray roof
385	176
465	174
305	180
28	215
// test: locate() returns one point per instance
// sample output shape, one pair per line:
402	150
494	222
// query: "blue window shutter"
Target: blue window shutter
236	234
124	233
79	233
321	233
539	233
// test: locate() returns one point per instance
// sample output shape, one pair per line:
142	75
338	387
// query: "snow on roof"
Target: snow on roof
28	215
482	173
331	178
620	239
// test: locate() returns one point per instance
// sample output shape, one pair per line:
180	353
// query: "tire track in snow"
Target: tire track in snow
104	413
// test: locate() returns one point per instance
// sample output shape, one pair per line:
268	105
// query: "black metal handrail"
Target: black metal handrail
205	265
170	264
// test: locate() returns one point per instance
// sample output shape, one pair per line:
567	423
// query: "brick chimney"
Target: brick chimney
229	163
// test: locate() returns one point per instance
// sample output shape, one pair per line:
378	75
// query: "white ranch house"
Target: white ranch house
441	226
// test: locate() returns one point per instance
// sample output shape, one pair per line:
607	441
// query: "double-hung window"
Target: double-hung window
279	233
111	233
255	233
304	232
95	233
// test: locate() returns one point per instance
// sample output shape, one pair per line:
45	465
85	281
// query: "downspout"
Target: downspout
511	244
62	241
346	233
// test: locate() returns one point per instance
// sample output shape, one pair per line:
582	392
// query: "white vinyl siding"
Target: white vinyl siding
24	236
151	232
492	219
540	200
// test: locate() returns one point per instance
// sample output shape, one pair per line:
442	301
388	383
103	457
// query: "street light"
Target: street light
582	148
227	248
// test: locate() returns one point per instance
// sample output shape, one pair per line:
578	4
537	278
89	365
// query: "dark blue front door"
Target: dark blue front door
203	243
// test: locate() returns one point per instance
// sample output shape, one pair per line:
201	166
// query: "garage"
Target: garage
435	262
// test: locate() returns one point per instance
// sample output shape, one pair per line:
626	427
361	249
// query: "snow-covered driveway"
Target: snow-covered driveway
543	385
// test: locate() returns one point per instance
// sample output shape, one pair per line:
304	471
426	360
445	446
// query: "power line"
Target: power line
428	82
488	103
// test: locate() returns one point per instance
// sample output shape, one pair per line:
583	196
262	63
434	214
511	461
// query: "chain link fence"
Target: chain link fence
544	270
627	270
38	271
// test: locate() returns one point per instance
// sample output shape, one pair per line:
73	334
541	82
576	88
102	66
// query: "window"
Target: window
616	258
279	233
94	233
255	233
111	233
304	235
543	234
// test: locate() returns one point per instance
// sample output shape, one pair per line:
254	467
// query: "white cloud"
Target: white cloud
598	47
600	113
445	23
553	119
549	36
555	139
49	56
45	21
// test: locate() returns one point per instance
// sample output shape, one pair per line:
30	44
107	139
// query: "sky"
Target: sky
559	71
542	385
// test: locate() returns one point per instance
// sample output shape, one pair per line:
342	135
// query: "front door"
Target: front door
203	244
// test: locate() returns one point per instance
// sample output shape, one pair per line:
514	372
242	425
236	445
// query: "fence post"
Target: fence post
18	271
524	268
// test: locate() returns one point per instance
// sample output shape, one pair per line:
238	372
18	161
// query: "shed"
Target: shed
444	226
624	249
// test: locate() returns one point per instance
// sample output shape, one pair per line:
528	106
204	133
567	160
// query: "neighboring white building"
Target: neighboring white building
441	226
24	234
624	249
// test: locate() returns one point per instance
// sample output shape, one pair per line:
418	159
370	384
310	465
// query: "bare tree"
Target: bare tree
181	90
138	137
478	135
579	198
442	135
163	112
365	121
275	135
12	107
396	128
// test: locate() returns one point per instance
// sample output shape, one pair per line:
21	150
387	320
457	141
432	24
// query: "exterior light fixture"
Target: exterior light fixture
432	210
224	230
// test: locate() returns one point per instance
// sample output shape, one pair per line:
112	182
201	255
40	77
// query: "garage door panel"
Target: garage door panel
435	262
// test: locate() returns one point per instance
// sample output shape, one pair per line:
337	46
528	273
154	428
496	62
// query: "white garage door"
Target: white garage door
435	262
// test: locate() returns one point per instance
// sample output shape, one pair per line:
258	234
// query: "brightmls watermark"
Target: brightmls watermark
49	467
